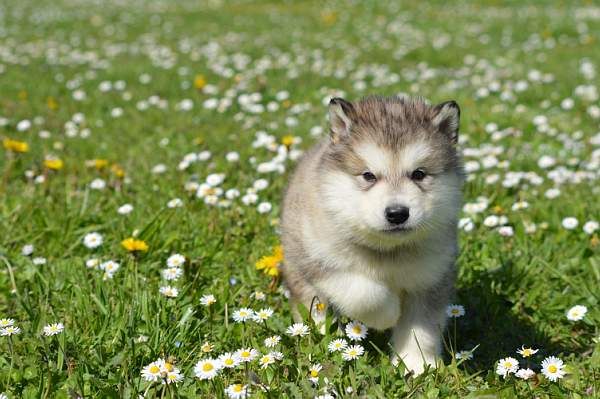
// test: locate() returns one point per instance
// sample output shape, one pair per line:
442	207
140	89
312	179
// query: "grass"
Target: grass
516	289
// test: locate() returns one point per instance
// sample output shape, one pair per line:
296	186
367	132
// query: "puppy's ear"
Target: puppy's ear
340	118
447	119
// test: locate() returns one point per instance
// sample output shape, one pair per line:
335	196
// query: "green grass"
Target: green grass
516	290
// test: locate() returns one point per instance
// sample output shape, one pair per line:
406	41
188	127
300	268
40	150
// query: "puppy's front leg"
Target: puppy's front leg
416	338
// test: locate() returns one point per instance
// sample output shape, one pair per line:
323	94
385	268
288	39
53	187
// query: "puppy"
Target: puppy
369	222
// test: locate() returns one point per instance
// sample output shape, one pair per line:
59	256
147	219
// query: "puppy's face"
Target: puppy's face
392	174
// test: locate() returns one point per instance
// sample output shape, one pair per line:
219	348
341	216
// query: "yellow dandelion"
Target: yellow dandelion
287	140
54	163
199	82
270	264
15	145
99	163
117	171
132	245
52	103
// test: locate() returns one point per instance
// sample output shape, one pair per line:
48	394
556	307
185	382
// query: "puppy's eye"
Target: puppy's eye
418	174
370	177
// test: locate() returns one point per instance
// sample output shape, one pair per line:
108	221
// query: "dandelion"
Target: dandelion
134	245
207	369
337	345
553	368
525	374
246	355
93	240
576	313
53	163
353	352
298	329
237	391
527	352
273	341
263	314
356	331
506	366
53	329
242	315
15	145
270	264
10	330
313	372
455	311
228	360
207	300
169	291
176	260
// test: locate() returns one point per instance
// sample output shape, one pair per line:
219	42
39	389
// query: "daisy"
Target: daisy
208	300
273	341
175	203
125	209
173	377
356	331
168	291
10	330
590	227
525	374
176	260
576	313
526	352
207	369
466	355
266	360
455	311
298	329
246	355
92	263
39	261
53	329
259	295
92	240
263	314
353	352
6	323
313	372
507	366
27	249
264	207
243	314
237	391
152	372
337	345
570	223
110	268
553	368
172	273
228	360
207	347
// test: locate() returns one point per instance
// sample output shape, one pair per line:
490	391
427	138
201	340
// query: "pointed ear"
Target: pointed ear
447	119
340	118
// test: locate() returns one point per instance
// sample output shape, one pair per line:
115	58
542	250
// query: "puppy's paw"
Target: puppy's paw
414	362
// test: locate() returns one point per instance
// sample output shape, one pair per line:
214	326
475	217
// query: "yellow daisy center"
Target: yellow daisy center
314	373
228	362
237	388
356	329
207	367
552	368
154	369
168	366
245	354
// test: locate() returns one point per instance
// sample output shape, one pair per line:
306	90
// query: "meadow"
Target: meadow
145	149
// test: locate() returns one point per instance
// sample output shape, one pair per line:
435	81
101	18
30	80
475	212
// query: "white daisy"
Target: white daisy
93	240
176	260
570	223
53	329
525	374
152	372
237	391
208	300
313	372
6	323
297	329
243	314
353	352
246	355
263	314
207	369
125	209
10	330
228	360
507	366
266	360
337	345
273	341
356	331
455	311
27	249
172	273
168	291
553	368
526	352
576	313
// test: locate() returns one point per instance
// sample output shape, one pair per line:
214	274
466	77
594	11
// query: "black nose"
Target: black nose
396	214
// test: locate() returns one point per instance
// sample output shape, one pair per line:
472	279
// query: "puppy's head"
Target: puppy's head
391	173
